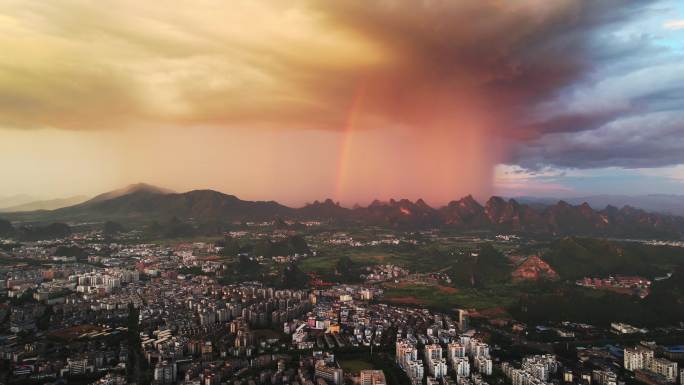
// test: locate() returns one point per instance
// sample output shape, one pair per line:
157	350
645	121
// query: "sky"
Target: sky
297	100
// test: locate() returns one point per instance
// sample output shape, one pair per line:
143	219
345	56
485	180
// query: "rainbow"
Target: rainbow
355	109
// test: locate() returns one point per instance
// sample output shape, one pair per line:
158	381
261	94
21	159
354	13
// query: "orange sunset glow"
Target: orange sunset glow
297	100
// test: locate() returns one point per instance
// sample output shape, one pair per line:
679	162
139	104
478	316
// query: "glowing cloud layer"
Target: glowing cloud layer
299	100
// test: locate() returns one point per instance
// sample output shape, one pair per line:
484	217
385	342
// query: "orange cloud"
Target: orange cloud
262	99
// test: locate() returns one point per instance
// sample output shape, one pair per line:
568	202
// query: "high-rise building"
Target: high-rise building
603	377
638	357
372	377
540	366
664	367
415	371
406	353
484	365
455	349
479	349
78	365
462	319
461	366
437	368
567	376
433	352
434	361
330	374
165	372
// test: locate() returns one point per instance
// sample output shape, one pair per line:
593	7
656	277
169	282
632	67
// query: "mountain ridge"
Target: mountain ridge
672	204
131	188
148	203
47	204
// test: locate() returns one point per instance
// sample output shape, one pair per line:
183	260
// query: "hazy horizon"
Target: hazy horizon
22	199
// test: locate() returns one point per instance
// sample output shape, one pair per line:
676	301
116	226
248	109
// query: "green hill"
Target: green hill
575	258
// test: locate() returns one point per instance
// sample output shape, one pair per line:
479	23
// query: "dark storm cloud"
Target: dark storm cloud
626	108
638	121
506	55
568	83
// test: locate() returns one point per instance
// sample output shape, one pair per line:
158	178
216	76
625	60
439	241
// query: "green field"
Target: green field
416	259
447	298
478	283
355	365
169	242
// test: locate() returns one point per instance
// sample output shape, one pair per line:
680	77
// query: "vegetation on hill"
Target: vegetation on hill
574	258
348	270
111	228
667	297
71	251
6	228
485	267
34	233
230	247
567	302
293	278
243	268
289	246
38	233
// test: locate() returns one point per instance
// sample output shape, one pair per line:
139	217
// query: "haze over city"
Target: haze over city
353	100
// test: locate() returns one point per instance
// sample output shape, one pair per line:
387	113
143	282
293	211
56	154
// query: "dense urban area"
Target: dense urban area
304	303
